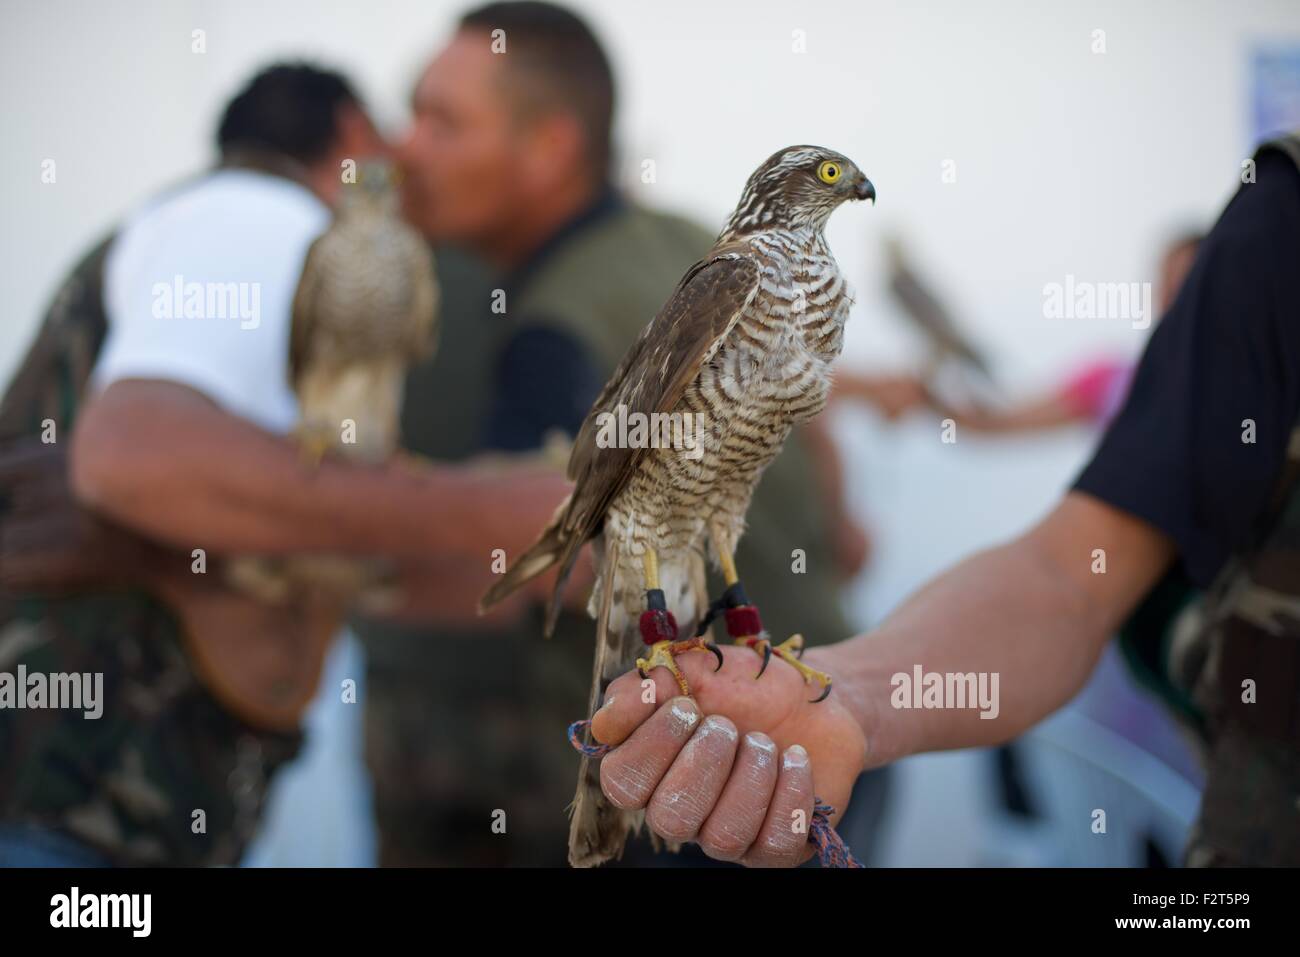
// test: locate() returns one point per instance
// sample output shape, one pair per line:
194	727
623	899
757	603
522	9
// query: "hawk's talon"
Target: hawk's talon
792	651
663	653
760	645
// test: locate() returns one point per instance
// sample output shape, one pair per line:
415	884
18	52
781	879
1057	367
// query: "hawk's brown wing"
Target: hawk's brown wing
651	378
304	312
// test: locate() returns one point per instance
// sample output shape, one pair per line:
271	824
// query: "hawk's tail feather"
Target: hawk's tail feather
549	548
597	829
568	557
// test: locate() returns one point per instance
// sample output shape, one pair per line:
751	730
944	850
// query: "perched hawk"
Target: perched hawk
740	353
364	311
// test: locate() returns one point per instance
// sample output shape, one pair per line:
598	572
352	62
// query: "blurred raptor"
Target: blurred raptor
365	310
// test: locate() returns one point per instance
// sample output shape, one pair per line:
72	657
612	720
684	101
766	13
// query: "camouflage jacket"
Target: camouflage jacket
165	775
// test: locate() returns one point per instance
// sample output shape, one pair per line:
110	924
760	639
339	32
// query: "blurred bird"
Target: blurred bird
365	310
946	340
740	353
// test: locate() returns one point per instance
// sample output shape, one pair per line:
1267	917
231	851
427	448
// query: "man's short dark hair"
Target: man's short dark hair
290	109
558	62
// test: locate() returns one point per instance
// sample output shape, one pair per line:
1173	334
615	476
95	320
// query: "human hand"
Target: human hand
736	766
896	395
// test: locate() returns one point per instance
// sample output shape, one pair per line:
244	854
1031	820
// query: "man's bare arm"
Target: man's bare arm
1033	611
1037	612
162	459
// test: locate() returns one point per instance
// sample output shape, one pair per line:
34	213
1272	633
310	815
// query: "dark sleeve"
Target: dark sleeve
1227	351
545	379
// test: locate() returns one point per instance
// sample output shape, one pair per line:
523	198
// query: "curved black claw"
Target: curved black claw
641	672
767	658
824	695
717	653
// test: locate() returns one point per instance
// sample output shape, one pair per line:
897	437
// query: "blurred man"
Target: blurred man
509	158
1186	523
178	444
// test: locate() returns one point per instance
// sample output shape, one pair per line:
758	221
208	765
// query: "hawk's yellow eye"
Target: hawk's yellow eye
829	171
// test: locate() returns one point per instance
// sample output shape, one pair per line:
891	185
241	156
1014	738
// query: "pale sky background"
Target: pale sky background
1068	162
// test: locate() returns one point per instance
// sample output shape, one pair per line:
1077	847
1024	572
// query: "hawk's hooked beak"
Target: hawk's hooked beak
864	190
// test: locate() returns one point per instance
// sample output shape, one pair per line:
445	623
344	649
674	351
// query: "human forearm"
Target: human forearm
1046	413
1035	613
891	394
161	459
995	614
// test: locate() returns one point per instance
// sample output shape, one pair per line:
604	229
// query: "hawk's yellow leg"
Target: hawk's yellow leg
790	650
663	653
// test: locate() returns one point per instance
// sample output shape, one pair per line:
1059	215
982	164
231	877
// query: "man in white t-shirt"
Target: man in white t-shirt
180	439
237	226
